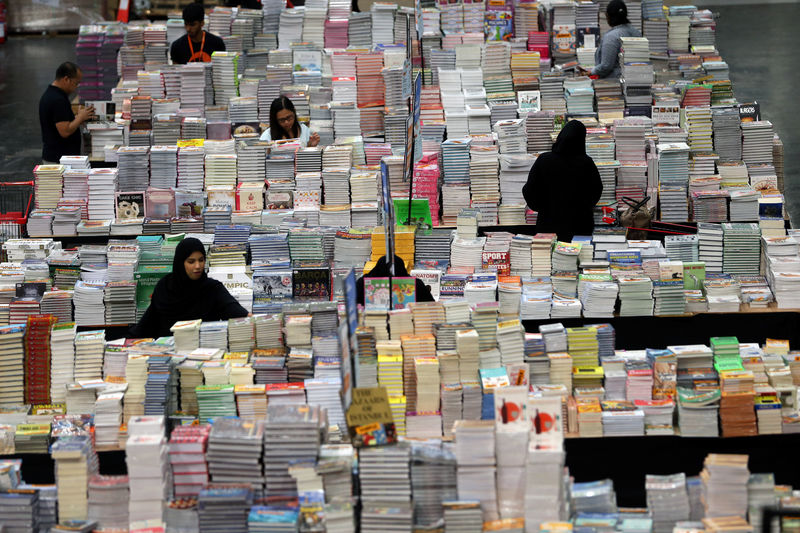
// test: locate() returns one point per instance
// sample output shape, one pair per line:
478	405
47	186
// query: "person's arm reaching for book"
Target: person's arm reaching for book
66	127
227	304
608	56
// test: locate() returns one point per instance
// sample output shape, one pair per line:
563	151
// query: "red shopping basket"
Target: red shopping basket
16	198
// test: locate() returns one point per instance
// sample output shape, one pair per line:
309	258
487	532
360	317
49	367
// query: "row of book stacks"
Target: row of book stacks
401	415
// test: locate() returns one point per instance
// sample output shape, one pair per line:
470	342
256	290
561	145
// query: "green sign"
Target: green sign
420	213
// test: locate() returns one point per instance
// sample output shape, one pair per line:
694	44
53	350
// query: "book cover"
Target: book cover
130	205
160	203
694	274
431	278
272	285
311	281
189	203
377	294
404	291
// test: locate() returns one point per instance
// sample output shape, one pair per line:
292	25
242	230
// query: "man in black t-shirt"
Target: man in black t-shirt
197	44
60	126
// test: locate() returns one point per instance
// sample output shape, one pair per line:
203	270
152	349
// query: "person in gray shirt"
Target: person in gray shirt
606	57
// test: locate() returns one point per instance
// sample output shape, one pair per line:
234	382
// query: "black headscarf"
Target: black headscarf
381	270
564	186
617	13
571	140
178	297
179	279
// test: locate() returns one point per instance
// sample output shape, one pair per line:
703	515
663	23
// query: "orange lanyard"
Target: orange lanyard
199	55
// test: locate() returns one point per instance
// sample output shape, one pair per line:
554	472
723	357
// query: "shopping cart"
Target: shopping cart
611	216
16	198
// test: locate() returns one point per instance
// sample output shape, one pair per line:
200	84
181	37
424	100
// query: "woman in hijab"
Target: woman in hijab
381	270
186	294
564	186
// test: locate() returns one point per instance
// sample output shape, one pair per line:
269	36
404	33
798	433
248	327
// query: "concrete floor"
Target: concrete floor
759	43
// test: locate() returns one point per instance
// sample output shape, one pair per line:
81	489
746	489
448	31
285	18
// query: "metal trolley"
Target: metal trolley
16	199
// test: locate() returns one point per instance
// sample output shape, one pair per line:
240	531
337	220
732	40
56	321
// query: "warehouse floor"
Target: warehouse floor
759	42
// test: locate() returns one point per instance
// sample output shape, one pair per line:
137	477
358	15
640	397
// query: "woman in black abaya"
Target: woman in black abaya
186	294
564	186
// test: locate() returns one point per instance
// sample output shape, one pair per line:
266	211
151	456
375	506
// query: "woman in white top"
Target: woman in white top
283	119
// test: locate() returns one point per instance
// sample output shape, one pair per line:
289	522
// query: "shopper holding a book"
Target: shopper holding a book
283	124
564	186
186	294
61	133
606	57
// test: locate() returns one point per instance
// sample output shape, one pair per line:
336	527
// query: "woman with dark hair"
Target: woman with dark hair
606	57
381	270
283	124
187	293
564	186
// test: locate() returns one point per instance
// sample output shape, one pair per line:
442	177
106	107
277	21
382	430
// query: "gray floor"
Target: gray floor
758	41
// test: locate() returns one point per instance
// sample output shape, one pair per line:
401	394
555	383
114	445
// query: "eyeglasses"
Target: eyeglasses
286	120
76	82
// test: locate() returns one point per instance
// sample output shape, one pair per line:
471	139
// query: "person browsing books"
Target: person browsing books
283	124
61	133
187	293
197	45
381	270
606	56
564	186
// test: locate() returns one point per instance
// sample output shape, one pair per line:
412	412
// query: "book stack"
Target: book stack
133	167
88	299
214	335
161	395
241	336
697	412
31	438
725	478
108	501
62	359
20	510
622	419
37	359
224	507
102	184
667	500
386	487
89	348
191	377
75	462
187	335
48	184
108	417
190	166
136	376
291	432
475	454
727	133
757	141
215	401
635	296
234	452
146	457
741	248
462	516
187	448
552	90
